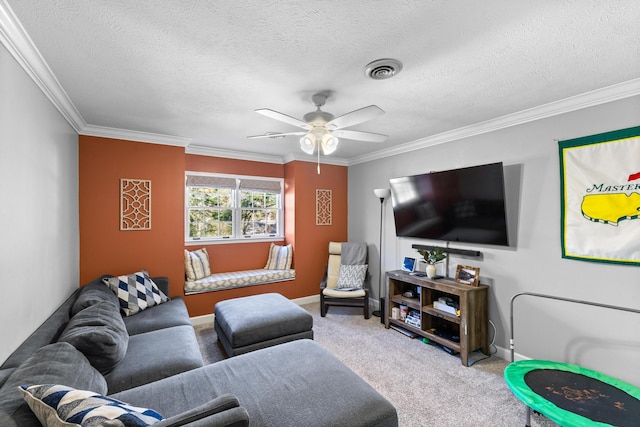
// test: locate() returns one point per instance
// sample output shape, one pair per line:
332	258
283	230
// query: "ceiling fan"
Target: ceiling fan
322	129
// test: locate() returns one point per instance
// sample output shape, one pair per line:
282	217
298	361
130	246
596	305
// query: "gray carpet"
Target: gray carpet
427	386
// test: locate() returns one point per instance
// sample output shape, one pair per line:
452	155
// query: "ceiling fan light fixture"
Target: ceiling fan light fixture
382	69
307	143
329	143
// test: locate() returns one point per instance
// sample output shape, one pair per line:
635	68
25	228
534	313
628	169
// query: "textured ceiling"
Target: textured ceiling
198	69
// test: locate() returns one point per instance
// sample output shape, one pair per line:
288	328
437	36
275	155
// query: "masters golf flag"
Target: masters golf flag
600	176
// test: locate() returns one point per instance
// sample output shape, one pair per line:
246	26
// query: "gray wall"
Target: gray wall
597	338
39	239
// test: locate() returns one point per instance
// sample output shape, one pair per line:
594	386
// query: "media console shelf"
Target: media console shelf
463	333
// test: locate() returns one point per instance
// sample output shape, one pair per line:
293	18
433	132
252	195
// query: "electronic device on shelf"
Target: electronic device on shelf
458	205
409	264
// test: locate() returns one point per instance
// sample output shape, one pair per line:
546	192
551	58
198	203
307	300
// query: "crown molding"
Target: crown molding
203	150
133	135
578	102
324	160
19	44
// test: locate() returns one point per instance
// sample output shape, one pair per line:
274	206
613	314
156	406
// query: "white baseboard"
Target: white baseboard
207	319
505	353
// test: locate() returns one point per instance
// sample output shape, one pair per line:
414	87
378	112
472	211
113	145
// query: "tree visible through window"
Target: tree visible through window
259	212
228	207
210	212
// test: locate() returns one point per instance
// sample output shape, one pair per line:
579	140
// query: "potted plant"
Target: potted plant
431	257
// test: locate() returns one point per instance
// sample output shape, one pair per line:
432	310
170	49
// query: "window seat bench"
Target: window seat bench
237	279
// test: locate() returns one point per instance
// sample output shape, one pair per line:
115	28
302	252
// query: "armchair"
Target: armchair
346	280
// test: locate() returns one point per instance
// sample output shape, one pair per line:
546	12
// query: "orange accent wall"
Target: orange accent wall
309	241
104	249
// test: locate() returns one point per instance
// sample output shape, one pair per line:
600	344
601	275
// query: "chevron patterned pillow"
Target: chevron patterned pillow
351	277
135	292
59	405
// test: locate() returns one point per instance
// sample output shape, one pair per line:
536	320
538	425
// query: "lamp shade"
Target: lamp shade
307	143
382	193
329	143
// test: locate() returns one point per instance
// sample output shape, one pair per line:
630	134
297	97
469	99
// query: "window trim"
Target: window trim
236	211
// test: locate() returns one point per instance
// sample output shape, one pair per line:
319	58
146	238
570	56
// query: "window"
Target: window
229	207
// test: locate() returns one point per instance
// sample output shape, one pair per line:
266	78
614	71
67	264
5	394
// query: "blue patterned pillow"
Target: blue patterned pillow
59	405
351	277
135	292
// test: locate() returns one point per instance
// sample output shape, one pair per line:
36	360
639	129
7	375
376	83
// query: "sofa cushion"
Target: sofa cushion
292	384
93	293
135	292
351	277
196	264
58	363
59	405
99	333
155	355
280	257
171	313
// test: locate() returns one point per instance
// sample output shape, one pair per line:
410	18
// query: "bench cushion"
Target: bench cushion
237	279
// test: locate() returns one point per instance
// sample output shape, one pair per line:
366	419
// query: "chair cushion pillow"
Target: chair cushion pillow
351	277
196	264
280	257
100	334
135	292
59	405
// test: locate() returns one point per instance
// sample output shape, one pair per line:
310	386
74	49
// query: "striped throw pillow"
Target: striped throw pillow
279	257
196	264
59	405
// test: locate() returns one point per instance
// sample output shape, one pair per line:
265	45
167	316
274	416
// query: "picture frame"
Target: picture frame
467	275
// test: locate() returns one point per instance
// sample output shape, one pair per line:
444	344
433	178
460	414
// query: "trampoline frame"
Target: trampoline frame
595	374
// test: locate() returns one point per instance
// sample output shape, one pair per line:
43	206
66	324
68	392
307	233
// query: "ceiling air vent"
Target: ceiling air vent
383	69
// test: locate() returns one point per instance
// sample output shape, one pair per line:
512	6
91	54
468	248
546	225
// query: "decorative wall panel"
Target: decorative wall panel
323	207
135	204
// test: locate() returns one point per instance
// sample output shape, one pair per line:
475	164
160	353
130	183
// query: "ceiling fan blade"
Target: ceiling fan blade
283	118
277	135
355	117
360	136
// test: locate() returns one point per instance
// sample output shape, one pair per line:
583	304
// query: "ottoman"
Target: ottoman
250	323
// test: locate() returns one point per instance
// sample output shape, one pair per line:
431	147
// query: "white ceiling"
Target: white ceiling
196	70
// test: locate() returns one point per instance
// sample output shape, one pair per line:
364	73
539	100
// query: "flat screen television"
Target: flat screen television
459	205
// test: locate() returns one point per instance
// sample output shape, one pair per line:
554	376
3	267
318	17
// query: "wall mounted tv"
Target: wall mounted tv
459	205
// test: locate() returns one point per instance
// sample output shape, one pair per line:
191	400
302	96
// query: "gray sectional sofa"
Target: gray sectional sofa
152	360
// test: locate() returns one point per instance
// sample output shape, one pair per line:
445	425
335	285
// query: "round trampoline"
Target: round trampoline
571	395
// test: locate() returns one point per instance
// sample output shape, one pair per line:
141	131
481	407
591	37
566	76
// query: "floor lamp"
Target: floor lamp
381	193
